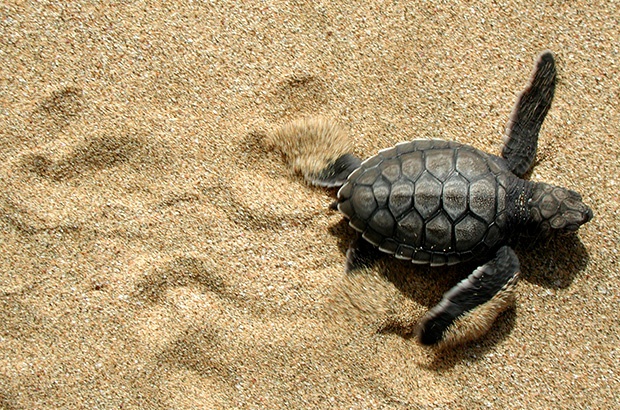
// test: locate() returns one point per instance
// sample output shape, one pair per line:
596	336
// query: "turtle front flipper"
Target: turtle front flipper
528	115
467	311
318	148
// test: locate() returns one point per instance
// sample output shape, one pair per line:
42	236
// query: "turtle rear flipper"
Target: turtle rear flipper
317	148
335	173
361	255
528	115
468	309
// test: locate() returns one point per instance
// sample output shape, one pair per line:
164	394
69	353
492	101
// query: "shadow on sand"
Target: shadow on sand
553	264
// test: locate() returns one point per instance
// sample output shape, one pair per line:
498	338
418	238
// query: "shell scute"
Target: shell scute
471	164
427	195
404	252
468	233
409	229
371	162
372	236
401	197
390	169
383	222
455	196
363	200
381	190
412	165
368	177
439	233
389	246
482	198
440	163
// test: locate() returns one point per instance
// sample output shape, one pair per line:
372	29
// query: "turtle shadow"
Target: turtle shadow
343	233
445	359
553	264
426	286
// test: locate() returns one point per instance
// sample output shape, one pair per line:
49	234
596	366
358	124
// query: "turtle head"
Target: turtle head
554	209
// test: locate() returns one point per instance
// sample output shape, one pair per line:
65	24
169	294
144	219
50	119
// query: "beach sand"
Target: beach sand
154	254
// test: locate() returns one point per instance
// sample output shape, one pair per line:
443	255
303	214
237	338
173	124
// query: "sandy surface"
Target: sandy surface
153	255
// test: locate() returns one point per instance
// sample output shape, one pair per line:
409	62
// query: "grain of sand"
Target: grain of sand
153	255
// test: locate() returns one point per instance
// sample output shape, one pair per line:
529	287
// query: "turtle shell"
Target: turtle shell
431	201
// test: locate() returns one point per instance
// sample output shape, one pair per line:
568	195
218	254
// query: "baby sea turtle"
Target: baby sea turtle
441	202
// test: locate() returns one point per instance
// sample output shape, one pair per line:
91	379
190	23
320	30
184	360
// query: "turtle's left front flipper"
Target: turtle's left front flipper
468	310
319	149
528	115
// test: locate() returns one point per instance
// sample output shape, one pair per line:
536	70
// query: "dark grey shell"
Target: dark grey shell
431	201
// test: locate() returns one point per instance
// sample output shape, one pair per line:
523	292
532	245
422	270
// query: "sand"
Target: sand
155	255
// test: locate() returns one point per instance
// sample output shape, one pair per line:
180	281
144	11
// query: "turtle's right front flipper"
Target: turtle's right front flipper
319	149
528	115
468	310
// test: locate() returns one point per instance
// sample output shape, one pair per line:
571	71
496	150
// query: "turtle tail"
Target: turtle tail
317	148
